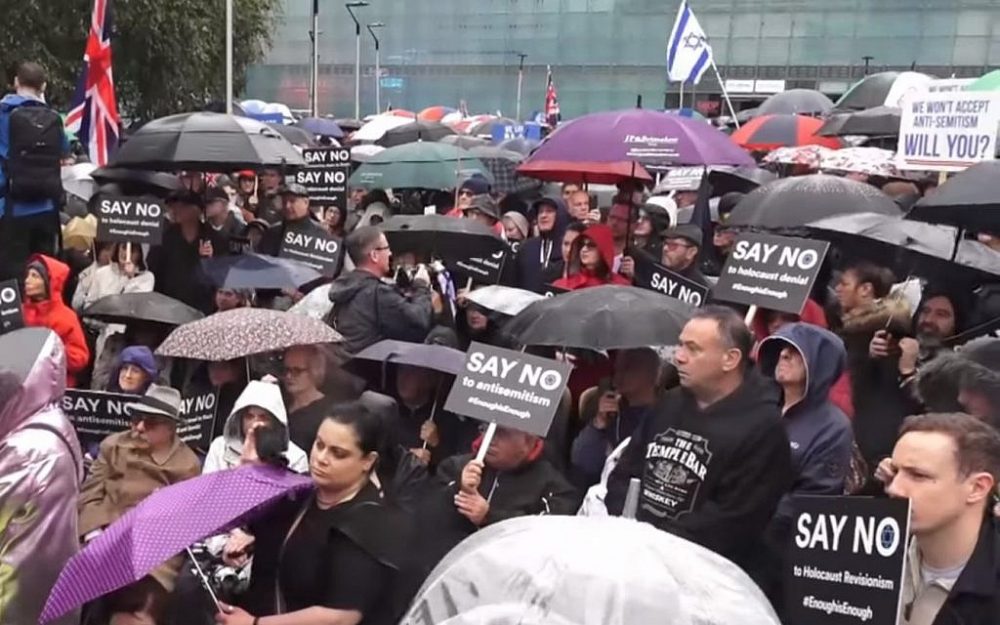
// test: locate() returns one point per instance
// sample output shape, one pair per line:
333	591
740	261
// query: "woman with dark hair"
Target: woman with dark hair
591	260
335	220
331	555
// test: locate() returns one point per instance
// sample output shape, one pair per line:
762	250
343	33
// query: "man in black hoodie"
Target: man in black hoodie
713	457
550	219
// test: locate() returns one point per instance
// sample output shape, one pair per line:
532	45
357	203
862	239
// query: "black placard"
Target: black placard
771	272
198	419
512	389
95	415
483	270
655	277
313	248
325	176
846	560
11	317
124	219
551	290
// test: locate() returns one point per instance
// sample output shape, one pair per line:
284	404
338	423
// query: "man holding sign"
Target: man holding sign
300	236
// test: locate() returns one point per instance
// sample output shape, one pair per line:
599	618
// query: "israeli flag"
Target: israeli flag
688	53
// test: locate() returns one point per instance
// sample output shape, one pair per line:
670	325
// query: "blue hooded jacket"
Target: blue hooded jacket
140	356
530	256
7	105
819	432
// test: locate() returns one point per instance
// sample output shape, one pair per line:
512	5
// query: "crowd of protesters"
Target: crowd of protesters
819	403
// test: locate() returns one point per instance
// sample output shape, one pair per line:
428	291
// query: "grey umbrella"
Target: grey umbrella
296	135
152	306
437	357
464	141
881	121
796	102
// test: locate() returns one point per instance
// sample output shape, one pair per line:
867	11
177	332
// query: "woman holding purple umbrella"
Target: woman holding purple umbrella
333	555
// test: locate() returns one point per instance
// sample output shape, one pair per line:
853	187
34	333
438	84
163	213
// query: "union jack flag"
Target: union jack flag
552	115
94	116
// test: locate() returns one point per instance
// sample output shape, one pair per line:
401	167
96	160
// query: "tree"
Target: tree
169	55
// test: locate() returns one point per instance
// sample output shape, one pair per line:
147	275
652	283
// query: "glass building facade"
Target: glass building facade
606	53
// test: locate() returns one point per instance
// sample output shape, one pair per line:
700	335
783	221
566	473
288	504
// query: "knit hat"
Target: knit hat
477	184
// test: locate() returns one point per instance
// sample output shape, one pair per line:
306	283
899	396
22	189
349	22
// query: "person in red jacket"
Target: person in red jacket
44	278
591	260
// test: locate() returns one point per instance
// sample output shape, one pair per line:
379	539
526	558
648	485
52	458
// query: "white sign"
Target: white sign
769	86
948	131
739	86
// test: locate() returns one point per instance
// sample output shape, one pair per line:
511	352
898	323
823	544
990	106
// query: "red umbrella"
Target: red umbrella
434	113
585	171
770	132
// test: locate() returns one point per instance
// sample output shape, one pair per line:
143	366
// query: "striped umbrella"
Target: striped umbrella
769	132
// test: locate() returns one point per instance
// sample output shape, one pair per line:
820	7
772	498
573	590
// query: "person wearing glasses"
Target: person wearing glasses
681	245
591	260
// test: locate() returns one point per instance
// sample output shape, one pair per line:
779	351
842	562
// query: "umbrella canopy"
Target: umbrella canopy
503	165
882	89
969	199
602	317
747	114
533	570
295	135
987	82
137	181
166	523
414	131
152	306
378	126
807	156
651	138
362	153
257	271
503	299
78	181
205	142
863	160
769	132
486	127
443	237
421	165
321	127
796	102
910	247
881	121
349	124
437	357
434	113
743	179
464	141
243	332
795	202
520	144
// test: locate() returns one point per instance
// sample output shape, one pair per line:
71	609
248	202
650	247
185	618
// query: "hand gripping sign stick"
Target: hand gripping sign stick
204	580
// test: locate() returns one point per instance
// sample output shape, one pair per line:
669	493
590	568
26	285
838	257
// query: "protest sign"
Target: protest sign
485	270
10	307
769	271
680	179
95	415
655	277
845	563
551	290
509	388
529	130
124	219
325	176
946	85
314	248
948	131
197	425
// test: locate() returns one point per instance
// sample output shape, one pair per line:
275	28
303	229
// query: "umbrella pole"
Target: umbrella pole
204	580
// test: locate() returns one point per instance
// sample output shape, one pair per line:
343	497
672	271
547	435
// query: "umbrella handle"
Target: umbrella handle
204	579
487	441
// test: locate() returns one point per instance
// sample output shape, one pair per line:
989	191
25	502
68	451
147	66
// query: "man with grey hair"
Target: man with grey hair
712	457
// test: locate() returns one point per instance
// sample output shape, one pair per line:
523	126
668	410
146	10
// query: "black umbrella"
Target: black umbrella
464	141
743	179
437	357
129	307
294	134
415	131
600	318
881	121
970	199
447	238
257	271
349	124
796	102
138	181
909	247
795	202
520	144
206	142
486	127
873	90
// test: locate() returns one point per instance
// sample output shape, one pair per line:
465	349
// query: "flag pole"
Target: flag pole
725	94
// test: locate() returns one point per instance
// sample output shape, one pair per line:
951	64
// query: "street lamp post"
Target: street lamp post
357	54
314	62
520	80
378	66
867	59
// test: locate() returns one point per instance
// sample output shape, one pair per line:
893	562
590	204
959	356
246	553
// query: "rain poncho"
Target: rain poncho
40	461
52	313
553	570
227	449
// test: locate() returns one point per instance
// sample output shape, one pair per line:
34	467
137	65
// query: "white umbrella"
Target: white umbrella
77	181
585	571
365	151
503	299
373	130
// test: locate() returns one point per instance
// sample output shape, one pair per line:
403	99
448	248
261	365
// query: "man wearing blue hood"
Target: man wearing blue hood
32	144
550	217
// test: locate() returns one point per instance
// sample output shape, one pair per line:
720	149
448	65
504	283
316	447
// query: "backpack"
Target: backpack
34	155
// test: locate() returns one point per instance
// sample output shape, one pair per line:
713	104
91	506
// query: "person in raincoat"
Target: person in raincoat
43	307
258	407
41	465
592	258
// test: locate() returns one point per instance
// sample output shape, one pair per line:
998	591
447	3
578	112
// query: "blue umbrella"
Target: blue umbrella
255	271
321	127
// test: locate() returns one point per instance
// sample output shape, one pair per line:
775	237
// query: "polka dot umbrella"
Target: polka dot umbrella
243	332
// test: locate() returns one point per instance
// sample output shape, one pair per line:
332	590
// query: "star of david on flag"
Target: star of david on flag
688	51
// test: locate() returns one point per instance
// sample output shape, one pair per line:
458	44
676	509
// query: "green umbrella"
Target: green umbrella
419	165
986	82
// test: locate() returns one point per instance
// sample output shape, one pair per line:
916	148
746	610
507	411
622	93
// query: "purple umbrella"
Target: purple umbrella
655	140
163	525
